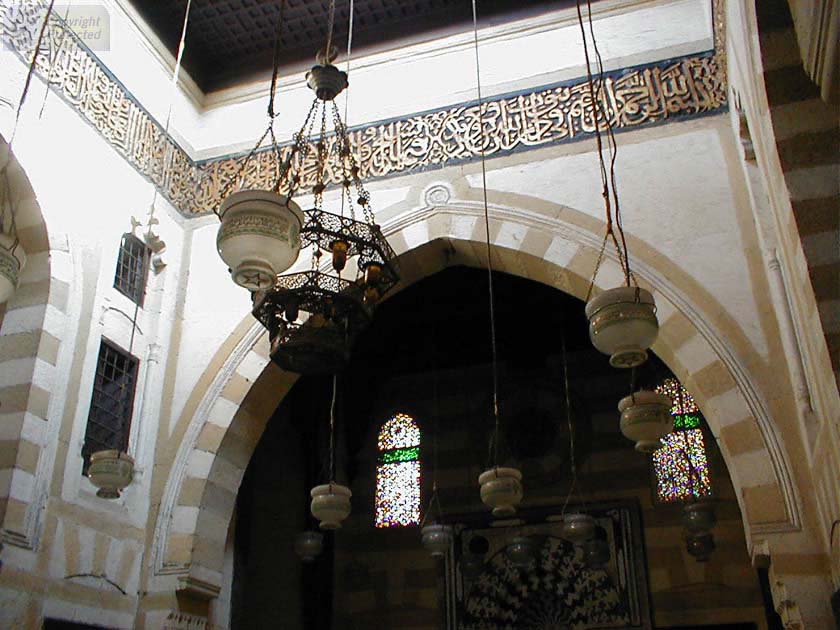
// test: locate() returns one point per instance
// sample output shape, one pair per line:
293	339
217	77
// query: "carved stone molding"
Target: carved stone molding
633	97
184	621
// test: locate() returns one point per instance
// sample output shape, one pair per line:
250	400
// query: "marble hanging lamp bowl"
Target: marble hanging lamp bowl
111	472
645	418
436	539
699	517
578	528
596	551
501	490
623	324
701	546
259	236
11	266
522	551
308	545
330	504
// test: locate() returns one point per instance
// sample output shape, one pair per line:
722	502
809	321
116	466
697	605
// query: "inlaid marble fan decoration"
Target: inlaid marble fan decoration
557	588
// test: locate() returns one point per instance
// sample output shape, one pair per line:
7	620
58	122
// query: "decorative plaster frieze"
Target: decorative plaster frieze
632	97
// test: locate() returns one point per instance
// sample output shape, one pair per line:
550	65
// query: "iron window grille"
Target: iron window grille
111	406
132	268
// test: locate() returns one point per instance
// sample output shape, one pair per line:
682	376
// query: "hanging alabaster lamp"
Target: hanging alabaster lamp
111	472
331	504
699	519
436	539
622	320
522	552
435	535
308	545
259	235
596	550
623	324
500	487
331	501
578	527
501	490
645	419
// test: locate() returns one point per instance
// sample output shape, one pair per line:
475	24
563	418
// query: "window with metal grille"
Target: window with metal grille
132	265
109	418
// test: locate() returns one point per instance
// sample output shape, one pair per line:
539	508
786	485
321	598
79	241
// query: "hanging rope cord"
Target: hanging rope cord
59	46
494	352
271	110
608	177
567	392
332	428
345	192
435	498
167	158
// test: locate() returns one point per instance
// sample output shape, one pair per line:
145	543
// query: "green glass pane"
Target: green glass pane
400	455
686	421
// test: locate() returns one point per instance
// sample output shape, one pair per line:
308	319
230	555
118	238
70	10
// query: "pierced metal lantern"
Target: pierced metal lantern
313	316
596	551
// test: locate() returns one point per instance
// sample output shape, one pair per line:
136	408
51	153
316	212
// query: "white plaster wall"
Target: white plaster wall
87	194
676	196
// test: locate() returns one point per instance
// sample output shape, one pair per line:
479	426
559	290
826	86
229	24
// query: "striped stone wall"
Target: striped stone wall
30	337
384	579
807	131
756	463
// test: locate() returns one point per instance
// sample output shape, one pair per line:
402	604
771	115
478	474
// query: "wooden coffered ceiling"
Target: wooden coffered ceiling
230	42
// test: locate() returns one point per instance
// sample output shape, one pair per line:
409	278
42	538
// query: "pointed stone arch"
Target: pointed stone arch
559	250
31	329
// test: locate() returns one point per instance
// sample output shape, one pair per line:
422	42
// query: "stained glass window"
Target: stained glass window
682	470
398	473
685	411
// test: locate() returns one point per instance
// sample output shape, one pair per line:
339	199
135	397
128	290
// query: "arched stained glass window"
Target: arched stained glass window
398	473
682	470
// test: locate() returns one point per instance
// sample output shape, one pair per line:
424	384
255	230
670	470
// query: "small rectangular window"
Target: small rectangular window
111	406
132	267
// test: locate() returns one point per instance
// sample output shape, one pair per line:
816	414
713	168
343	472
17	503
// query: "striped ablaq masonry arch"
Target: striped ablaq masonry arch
31	329
204	479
